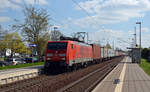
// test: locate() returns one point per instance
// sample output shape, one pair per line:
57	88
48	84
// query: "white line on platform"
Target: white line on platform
105	79
122	75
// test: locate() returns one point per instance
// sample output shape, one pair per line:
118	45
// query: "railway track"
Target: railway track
89	81
65	82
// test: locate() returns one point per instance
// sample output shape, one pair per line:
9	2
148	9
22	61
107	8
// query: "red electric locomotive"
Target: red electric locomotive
67	54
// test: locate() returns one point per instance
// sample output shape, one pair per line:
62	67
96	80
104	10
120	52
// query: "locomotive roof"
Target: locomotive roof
76	42
58	41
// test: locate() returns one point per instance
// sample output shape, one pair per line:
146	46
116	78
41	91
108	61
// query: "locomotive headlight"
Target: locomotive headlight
63	59
62	55
49	55
48	58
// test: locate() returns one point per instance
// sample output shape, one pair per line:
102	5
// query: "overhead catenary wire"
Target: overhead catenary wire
56	20
81	7
86	12
51	9
52	19
63	17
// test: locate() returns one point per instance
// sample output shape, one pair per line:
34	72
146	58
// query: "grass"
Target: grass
145	65
21	65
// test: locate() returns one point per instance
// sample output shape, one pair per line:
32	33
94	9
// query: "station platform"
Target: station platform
12	75
125	77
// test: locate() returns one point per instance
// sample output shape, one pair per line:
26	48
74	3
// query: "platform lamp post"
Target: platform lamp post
139	39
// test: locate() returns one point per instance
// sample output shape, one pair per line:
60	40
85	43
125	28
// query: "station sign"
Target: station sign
32	45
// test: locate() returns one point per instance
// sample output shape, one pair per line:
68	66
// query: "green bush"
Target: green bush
146	66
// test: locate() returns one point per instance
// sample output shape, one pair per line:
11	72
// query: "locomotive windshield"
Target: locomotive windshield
57	46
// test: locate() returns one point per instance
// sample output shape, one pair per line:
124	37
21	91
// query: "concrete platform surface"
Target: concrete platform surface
12	75
125	77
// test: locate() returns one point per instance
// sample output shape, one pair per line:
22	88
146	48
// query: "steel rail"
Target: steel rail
108	68
102	77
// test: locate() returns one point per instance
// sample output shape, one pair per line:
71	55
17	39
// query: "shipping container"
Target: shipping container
105	52
96	51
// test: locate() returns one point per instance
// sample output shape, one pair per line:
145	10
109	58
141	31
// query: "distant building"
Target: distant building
108	46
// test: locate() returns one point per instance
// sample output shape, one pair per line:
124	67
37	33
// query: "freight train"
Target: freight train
66	55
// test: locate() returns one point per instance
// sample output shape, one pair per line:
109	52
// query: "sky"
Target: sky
106	21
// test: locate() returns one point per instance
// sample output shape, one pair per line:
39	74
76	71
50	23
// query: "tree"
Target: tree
0	31
2	34
42	44
145	53
35	28
1	50
13	42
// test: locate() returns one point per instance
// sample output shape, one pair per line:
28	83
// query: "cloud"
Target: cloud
17	4
145	40
112	11
7	4
40	2
109	35
144	36
121	38
112	34
145	30
4	19
17	1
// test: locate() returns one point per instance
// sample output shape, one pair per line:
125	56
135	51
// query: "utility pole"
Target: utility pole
87	37
135	36
132	45
55	38
113	45
139	39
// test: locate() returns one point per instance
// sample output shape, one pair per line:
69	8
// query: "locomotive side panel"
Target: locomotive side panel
70	52
82	53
